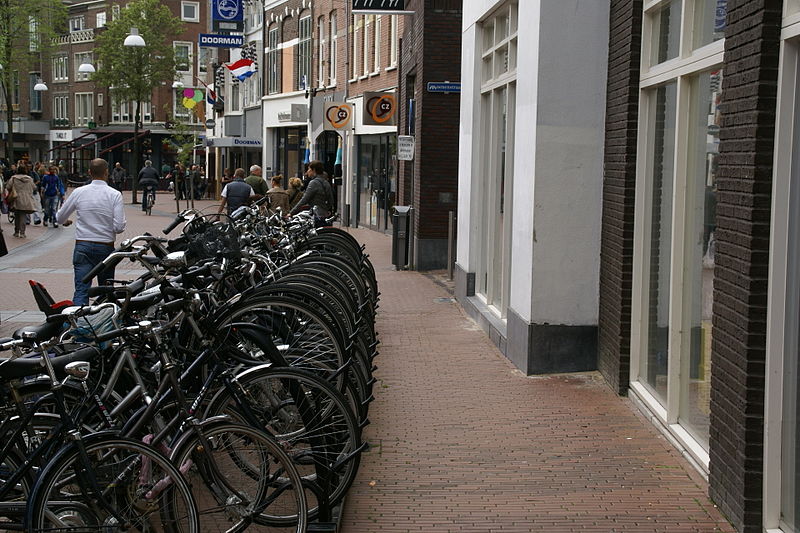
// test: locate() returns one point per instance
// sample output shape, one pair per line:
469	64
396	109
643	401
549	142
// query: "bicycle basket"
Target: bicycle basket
213	241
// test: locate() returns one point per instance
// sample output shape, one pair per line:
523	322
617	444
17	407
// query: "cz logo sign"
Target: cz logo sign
380	109
337	115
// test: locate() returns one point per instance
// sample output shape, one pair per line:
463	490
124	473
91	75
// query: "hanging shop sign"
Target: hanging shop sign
393	7
232	142
405	147
214	40
337	116
380	109
227	15
444	87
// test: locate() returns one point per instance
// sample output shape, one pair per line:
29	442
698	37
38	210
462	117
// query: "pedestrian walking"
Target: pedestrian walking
278	197
37	181
295	186
53	193
318	194
256	181
179	174
148	181
118	176
21	199
236	193
100	218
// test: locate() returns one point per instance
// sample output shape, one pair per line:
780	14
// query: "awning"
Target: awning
81	147
68	143
126	141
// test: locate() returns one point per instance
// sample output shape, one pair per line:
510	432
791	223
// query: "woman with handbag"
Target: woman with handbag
21	200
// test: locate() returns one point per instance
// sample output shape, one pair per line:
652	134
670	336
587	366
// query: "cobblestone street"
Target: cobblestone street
460	440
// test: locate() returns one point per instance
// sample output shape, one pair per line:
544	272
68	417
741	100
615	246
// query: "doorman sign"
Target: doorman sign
338	116
380	109
227	15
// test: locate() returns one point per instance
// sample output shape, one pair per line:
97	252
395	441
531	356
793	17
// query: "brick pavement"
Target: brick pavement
462	441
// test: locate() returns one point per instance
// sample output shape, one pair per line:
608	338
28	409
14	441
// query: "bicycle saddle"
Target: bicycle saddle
43	332
32	365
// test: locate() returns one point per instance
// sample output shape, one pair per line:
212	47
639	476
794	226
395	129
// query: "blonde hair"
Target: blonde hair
296	182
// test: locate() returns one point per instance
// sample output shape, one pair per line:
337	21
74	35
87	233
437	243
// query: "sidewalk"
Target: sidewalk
463	442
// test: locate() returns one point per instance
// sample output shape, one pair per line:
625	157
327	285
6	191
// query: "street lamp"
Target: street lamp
135	41
40	86
86	68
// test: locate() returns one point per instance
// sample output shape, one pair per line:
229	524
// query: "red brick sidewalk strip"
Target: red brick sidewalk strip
463	442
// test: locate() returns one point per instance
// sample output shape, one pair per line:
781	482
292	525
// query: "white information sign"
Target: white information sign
405	147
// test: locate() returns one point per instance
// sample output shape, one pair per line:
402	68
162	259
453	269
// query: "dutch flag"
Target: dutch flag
242	69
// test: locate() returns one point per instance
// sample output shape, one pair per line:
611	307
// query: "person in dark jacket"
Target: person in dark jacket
148	181
237	193
118	177
318	194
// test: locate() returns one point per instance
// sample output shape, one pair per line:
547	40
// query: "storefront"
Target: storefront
290	151
377	180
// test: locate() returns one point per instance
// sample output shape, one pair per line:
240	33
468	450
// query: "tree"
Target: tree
132	73
25	41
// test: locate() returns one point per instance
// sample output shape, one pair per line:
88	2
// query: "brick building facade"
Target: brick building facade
431	52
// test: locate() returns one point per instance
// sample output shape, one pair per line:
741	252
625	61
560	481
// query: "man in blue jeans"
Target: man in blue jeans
101	217
52	190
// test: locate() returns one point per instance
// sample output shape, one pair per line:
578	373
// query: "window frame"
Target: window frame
333	49
689	64
195	5
304	52
81	99
190	57
273	60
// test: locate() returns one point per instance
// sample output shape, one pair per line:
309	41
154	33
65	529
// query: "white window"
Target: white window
497	112
100	100
357	31
321	42
100	19
190	11
204	58
76	23
84	112
35	97
61	110
304	54
272	61
183	55
178	109
115	12
33	34
376	47
332	51
393	42
679	119
781	509
61	68
80	59
234	99
366	44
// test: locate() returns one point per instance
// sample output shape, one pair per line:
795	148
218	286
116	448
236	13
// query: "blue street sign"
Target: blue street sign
444	87
221	41
228	10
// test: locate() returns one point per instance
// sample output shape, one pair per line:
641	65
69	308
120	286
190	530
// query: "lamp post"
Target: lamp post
135	41
40	87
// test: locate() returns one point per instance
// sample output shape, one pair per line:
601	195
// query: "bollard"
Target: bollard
450	243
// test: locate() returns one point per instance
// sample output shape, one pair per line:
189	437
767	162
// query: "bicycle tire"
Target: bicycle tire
129	473
318	429
242	471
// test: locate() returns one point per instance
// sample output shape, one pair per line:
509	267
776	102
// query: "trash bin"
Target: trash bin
401	217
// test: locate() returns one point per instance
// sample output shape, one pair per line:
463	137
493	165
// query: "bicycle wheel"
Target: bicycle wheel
242	477
310	418
12	510
120	485
150	201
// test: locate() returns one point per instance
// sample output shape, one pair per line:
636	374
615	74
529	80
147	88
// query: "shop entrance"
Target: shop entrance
377	180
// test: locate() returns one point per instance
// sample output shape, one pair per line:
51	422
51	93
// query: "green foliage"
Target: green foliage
132	73
184	138
27	32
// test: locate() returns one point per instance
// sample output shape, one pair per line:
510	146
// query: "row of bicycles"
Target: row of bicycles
225	389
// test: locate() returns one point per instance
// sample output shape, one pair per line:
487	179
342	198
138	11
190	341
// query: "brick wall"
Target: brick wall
431	50
744	184
619	179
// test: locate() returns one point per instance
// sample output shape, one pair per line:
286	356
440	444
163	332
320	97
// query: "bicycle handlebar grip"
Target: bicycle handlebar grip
109	335
173	224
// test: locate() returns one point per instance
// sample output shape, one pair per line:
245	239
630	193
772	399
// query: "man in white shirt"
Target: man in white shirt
101	217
